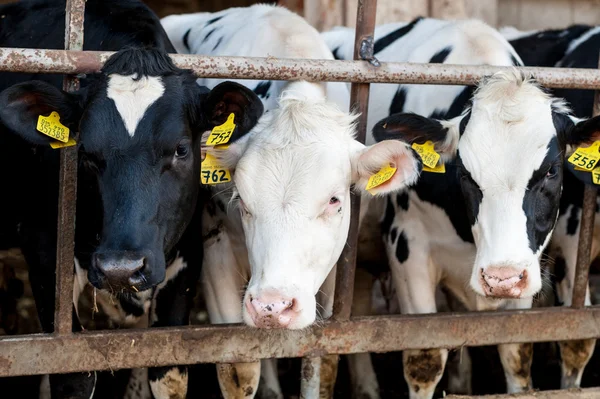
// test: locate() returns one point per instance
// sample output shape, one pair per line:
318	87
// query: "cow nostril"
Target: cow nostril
521	276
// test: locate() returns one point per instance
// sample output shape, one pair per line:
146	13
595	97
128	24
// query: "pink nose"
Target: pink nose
271	311
503	281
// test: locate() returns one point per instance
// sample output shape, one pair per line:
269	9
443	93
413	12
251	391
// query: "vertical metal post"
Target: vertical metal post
586	232
311	377
359	102
65	245
346	265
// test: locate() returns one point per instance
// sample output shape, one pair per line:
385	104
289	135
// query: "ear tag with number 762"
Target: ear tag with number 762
222	134
211	172
586	158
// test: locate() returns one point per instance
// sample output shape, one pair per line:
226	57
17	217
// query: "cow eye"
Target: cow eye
552	172
334	200
182	150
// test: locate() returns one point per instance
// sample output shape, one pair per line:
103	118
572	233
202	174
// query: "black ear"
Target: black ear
410	128
231	97
22	104
584	132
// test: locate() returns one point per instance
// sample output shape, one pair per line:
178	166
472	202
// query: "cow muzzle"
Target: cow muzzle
272	310
120	270
503	281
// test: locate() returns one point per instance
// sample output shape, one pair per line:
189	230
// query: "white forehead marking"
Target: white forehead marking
133	97
511	121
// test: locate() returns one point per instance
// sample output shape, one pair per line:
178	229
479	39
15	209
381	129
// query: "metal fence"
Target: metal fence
64	351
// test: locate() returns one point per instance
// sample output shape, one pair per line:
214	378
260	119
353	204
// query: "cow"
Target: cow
481	227
576	46
282	223
422	40
140	123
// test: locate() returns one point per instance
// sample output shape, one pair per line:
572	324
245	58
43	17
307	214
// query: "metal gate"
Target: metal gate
64	351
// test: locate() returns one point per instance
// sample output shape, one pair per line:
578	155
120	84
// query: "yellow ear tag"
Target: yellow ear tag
586	158
430	158
384	174
50	125
222	134
596	176
441	168
57	144
211	172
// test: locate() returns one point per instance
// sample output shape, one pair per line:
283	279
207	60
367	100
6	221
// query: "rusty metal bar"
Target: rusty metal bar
587	393
586	232
584	248
70	62
359	103
310	377
67	197
105	350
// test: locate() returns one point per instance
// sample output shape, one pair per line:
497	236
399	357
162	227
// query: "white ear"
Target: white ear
369	160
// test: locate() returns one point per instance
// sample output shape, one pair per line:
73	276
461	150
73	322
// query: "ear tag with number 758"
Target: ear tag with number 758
586	158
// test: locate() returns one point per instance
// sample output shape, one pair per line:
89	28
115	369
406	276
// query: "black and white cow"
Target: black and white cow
282	225
140	123
424	40
577	46
486	220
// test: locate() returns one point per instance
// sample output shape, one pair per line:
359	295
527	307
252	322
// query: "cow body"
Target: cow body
574	47
283	224
430	238
140	122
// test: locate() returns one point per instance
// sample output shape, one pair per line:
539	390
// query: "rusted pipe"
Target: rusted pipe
105	350
67	196
586	232
588	393
60	61
359	102
585	246
310	377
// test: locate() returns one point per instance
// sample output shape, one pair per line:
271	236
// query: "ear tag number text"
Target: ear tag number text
211	172
222	134
586	158
429	157
384	174
50	126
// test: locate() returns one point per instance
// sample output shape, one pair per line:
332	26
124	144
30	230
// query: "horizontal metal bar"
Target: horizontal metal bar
72	62
102	350
587	393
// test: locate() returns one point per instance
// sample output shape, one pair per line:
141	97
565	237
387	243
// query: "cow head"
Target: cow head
140	123
293	176
508	149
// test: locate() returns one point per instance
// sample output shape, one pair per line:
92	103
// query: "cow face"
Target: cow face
293	176
509	149
140	125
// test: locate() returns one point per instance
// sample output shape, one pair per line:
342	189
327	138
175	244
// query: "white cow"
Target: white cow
272	238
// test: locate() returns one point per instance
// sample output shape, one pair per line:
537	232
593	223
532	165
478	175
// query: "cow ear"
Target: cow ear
22	105
369	161
232	98
578	132
412	128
